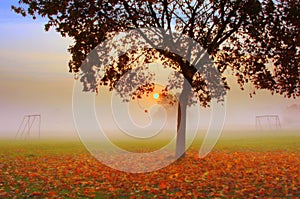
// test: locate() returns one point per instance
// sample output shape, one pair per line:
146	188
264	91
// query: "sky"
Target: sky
34	79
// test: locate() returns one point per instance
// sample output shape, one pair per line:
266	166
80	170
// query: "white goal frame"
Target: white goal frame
26	126
272	121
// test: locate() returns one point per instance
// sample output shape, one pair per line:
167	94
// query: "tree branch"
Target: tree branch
153	14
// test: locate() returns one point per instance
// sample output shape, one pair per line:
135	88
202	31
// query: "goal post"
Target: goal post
269	122
29	122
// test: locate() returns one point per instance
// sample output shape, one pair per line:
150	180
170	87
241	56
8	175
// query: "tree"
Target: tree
241	36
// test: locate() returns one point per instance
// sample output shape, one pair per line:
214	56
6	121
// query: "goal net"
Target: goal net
267	122
30	127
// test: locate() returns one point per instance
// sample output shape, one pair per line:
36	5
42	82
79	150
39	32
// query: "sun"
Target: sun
155	95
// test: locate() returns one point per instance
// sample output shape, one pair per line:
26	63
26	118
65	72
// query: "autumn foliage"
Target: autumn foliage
222	174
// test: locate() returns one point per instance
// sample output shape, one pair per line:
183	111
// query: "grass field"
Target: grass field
265	166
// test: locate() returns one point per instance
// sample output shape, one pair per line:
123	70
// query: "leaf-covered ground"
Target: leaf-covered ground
67	170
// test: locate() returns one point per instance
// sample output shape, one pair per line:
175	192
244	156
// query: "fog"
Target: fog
34	79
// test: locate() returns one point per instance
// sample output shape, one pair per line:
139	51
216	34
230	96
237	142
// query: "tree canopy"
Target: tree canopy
258	41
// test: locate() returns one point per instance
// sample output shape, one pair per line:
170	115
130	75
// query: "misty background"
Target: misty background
34	79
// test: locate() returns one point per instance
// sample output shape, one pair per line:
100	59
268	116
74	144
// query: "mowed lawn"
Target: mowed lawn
265	166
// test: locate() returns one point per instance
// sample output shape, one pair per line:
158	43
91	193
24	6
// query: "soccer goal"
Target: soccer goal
268	122
29	125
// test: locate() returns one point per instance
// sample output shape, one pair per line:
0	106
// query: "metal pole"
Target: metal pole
28	128
40	118
20	127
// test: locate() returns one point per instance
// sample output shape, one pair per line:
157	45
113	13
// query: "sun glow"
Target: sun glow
155	95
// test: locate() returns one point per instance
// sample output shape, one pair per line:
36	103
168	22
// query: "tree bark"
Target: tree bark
181	121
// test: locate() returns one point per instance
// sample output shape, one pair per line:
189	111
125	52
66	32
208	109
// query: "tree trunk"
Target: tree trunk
181	121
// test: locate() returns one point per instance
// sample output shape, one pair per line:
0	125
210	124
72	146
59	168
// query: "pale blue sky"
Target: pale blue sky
34	78
33	73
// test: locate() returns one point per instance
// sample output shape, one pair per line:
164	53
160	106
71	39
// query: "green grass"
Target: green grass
260	143
30	148
255	141
234	141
